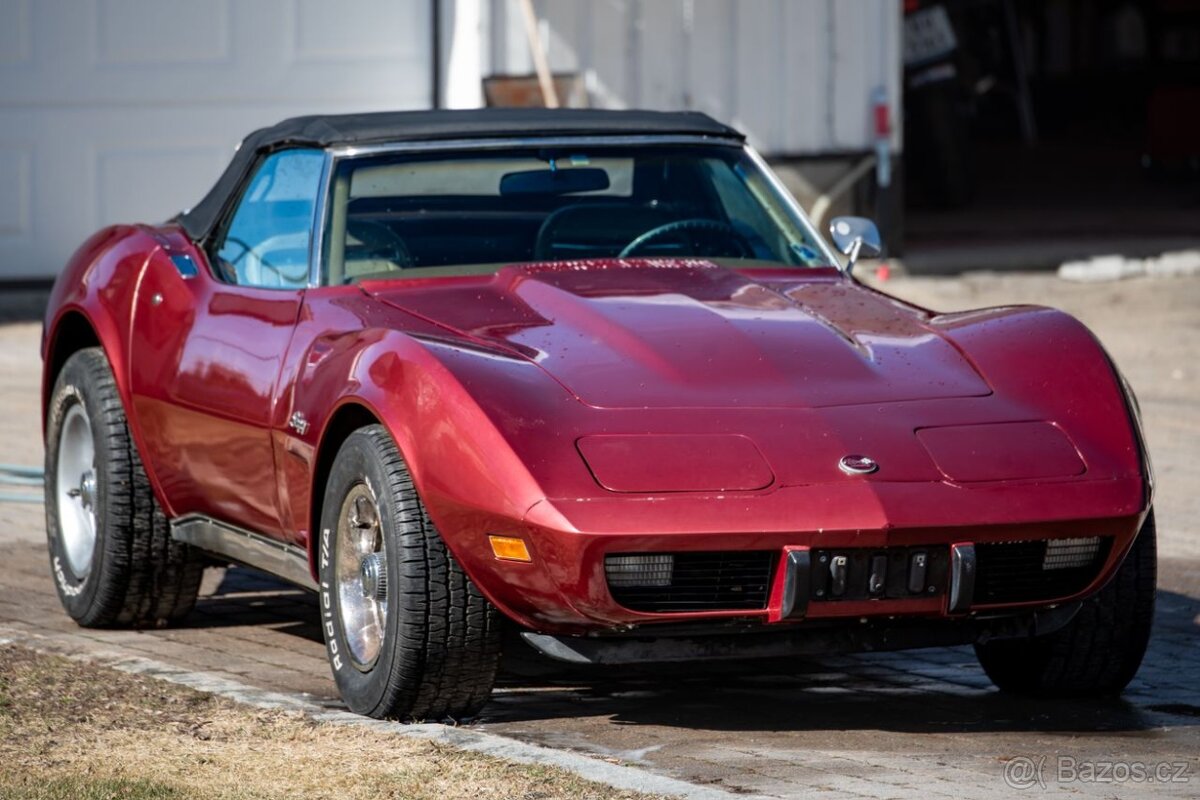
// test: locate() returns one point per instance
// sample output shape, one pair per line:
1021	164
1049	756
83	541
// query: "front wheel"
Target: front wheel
1098	652
408	634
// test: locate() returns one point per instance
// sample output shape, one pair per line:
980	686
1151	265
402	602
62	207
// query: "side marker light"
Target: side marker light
509	548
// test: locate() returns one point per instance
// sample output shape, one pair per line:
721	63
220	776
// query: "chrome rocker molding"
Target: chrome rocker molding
245	547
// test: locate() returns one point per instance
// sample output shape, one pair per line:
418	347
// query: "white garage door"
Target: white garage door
127	110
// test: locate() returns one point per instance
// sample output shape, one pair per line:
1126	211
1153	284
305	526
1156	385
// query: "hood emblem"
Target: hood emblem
857	465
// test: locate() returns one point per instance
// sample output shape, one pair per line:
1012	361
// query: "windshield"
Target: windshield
421	215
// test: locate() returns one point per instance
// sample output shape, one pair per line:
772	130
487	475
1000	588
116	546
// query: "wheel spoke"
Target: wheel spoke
77	491
361	574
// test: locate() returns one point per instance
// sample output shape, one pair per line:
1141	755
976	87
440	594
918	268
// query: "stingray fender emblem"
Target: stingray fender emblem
298	423
857	465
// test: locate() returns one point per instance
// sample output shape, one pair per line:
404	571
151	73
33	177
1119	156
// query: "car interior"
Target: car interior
401	215
552	207
265	240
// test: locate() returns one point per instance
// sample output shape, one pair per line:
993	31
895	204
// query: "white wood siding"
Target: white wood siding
796	75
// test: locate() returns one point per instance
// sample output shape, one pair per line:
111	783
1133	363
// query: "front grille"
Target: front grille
1018	572
737	580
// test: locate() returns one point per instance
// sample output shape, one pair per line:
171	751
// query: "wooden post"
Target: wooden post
540	64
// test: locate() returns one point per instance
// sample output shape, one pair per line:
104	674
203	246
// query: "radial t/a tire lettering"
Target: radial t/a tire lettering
408	635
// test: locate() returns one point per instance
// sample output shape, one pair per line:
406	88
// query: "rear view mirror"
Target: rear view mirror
856	237
554	181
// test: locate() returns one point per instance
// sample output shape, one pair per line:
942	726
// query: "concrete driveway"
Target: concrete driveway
922	724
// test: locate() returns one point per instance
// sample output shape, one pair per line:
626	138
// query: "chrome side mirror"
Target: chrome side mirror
855	237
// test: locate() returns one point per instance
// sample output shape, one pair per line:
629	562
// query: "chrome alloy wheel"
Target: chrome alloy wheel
75	489
361	573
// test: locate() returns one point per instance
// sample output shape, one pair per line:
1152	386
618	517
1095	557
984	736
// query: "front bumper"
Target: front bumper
564	589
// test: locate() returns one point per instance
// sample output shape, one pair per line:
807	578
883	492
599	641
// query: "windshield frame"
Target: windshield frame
335	156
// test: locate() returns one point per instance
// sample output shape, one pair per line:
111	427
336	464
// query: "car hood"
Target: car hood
665	334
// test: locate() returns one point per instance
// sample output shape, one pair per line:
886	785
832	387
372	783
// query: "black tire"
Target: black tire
441	637
138	575
1099	651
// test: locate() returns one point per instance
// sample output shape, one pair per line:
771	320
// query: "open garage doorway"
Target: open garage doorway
1038	131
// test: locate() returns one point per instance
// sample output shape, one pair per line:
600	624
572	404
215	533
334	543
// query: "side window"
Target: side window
266	241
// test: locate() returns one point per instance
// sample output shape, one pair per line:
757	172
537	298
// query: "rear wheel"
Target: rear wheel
1100	650
111	552
408	634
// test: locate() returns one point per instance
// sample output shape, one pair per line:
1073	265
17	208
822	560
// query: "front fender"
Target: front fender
463	466
1047	360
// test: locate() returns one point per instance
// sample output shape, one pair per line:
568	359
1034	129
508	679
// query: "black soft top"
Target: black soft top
415	126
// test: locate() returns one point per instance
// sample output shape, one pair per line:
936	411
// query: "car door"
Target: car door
209	340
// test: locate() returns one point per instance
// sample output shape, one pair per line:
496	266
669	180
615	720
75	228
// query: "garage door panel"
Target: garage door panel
144	52
128	110
333	32
17	197
79	171
85	170
133	32
15	33
130	185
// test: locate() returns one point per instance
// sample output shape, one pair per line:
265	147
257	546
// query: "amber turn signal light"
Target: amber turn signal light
509	548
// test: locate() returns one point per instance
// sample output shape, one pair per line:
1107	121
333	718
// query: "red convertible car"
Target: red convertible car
594	373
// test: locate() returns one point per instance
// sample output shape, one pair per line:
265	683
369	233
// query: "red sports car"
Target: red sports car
593	372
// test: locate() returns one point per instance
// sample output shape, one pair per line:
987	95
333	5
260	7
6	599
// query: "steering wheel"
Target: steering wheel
246	248
381	241
708	228
258	262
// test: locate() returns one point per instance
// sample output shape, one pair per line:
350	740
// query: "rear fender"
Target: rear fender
100	284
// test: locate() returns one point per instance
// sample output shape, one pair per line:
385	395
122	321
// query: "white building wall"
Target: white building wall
796	75
127	110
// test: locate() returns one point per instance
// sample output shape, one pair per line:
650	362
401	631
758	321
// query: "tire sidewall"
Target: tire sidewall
357	462
76	386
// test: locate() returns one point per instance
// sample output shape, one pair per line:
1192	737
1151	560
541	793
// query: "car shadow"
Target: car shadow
237	596
940	690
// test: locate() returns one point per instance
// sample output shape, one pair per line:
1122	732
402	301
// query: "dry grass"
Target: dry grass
81	732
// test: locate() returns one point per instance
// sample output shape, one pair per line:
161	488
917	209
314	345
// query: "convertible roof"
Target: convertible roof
415	126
